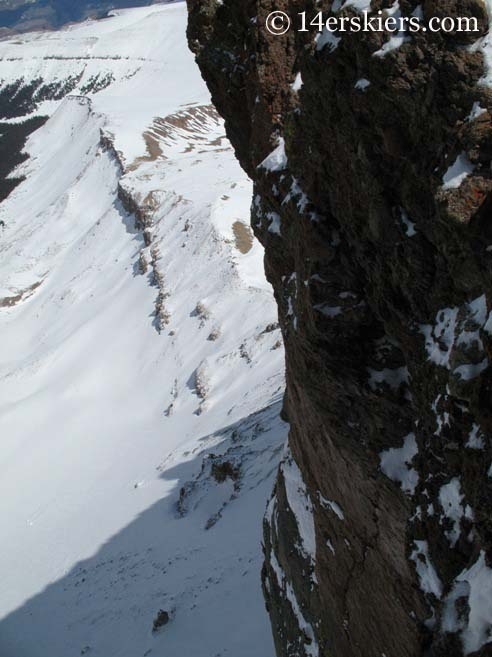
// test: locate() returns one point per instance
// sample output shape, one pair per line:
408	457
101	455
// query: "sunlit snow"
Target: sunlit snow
110	506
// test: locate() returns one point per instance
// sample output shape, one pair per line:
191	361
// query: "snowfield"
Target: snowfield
141	367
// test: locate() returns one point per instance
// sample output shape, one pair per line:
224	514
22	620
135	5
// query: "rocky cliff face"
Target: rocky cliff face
371	160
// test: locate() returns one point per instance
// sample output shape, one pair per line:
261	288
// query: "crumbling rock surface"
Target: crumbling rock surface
373	201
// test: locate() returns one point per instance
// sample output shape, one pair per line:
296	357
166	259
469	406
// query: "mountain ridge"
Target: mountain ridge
29	15
141	366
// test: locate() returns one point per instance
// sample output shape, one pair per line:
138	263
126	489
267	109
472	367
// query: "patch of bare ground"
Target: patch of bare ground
191	125
243	237
9	302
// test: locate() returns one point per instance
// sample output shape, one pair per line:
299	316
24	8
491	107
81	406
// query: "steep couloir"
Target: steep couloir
371	159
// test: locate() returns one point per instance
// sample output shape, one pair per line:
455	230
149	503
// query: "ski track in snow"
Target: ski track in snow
109	504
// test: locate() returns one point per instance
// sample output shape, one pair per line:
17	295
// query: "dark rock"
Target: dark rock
160	620
223	470
270	328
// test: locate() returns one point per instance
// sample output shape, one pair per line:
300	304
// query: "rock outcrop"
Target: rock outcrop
371	160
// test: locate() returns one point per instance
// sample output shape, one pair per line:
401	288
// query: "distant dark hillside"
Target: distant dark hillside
17	101
22	15
12	140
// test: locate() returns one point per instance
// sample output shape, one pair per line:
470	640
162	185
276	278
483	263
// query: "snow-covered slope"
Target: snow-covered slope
140	363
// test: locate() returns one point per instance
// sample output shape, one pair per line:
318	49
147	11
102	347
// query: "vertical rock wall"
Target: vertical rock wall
372	168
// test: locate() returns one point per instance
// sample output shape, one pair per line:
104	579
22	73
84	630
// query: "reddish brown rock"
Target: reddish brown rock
383	278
